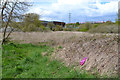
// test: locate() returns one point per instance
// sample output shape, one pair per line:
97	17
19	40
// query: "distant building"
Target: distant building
54	22
93	22
59	23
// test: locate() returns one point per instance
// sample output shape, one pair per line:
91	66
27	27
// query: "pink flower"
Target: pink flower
83	61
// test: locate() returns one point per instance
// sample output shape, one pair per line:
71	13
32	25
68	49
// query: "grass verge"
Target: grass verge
26	61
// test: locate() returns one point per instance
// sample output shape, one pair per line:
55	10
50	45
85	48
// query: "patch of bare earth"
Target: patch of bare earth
101	50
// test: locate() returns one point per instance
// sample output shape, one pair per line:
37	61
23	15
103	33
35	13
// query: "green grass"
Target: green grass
26	61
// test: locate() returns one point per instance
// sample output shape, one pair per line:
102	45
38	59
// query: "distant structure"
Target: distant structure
69	17
59	23
54	22
92	22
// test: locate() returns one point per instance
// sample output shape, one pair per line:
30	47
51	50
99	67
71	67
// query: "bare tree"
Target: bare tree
10	11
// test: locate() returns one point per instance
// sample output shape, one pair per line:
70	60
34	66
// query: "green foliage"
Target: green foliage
83	28
109	22
13	24
68	29
31	17
95	25
58	28
77	24
103	28
88	25
70	25
117	21
50	25
26	61
31	22
42	27
60	47
31	27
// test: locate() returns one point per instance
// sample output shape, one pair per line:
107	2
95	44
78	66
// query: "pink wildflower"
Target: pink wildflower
83	61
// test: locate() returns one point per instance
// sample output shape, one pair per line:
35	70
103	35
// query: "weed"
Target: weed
60	47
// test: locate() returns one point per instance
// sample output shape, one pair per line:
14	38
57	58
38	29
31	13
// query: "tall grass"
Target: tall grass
26	61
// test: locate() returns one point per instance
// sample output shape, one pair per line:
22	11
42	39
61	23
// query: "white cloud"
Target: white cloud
60	9
107	8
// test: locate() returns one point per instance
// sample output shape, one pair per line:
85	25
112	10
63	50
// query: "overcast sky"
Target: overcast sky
81	10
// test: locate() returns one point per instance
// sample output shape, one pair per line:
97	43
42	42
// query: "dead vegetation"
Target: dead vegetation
101	50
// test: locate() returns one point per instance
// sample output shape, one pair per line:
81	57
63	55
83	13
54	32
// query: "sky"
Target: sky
81	10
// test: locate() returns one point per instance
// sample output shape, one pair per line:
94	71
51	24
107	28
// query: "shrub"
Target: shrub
88	25
68	29
117	21
77	24
103	28
42	28
58	28
83	28
95	25
109	22
51	25
31	27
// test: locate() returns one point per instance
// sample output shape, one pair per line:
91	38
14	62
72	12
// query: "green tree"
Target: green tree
42	27
32	18
31	27
77	24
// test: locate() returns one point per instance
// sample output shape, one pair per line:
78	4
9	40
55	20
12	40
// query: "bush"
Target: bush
109	22
77	24
88	25
103	28
117	21
95	25
58	28
83	30
42	28
67	29
50	25
31	27
84	27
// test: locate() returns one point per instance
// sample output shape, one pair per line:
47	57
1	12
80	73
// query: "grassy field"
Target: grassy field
71	47
26	61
